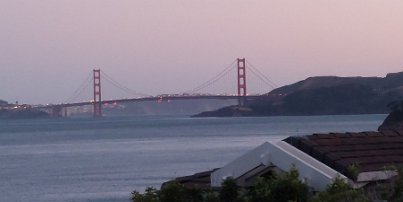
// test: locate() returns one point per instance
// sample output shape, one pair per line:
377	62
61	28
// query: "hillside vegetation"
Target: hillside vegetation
325	95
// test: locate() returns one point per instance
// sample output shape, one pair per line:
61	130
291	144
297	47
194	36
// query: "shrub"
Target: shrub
288	187
211	196
397	194
150	195
173	192
340	191
261	191
284	187
229	190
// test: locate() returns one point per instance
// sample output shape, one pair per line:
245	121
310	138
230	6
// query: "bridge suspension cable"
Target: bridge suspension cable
122	87
87	82
261	76
79	91
214	79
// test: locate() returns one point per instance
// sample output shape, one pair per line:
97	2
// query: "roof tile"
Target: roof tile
371	151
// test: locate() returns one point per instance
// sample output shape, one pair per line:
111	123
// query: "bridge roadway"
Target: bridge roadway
156	98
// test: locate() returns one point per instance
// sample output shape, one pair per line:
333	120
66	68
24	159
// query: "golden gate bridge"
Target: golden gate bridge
59	110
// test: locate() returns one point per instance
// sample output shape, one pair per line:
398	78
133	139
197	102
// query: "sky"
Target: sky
49	47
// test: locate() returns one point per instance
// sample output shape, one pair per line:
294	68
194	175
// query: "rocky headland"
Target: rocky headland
324	95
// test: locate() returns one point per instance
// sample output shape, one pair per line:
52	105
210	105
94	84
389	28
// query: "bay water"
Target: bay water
86	159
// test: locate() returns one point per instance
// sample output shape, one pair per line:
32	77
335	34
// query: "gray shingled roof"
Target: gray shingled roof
367	151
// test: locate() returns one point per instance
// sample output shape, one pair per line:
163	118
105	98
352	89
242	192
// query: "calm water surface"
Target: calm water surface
105	159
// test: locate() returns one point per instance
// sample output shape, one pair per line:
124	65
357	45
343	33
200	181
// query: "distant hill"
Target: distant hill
3	103
324	95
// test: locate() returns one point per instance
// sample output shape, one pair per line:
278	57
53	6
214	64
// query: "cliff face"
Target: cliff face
326	96
394	121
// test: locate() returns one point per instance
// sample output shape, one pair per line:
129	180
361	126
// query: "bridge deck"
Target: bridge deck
162	98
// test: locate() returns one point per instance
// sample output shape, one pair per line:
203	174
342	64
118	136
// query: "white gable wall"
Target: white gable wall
283	156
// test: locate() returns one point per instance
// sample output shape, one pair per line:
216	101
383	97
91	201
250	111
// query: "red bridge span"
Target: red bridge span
58	110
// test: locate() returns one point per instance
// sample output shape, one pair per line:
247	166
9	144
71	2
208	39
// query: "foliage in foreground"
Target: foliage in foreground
340	191
285	187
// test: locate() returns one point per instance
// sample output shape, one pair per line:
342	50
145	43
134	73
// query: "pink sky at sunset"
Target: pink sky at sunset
48	47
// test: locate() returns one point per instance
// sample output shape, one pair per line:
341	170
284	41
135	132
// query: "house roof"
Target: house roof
280	155
362	157
200	180
365	151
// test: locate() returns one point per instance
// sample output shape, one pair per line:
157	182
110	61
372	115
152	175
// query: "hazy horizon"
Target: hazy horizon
49	47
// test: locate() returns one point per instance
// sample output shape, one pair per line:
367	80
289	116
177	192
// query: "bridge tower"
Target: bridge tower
97	93
241	81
